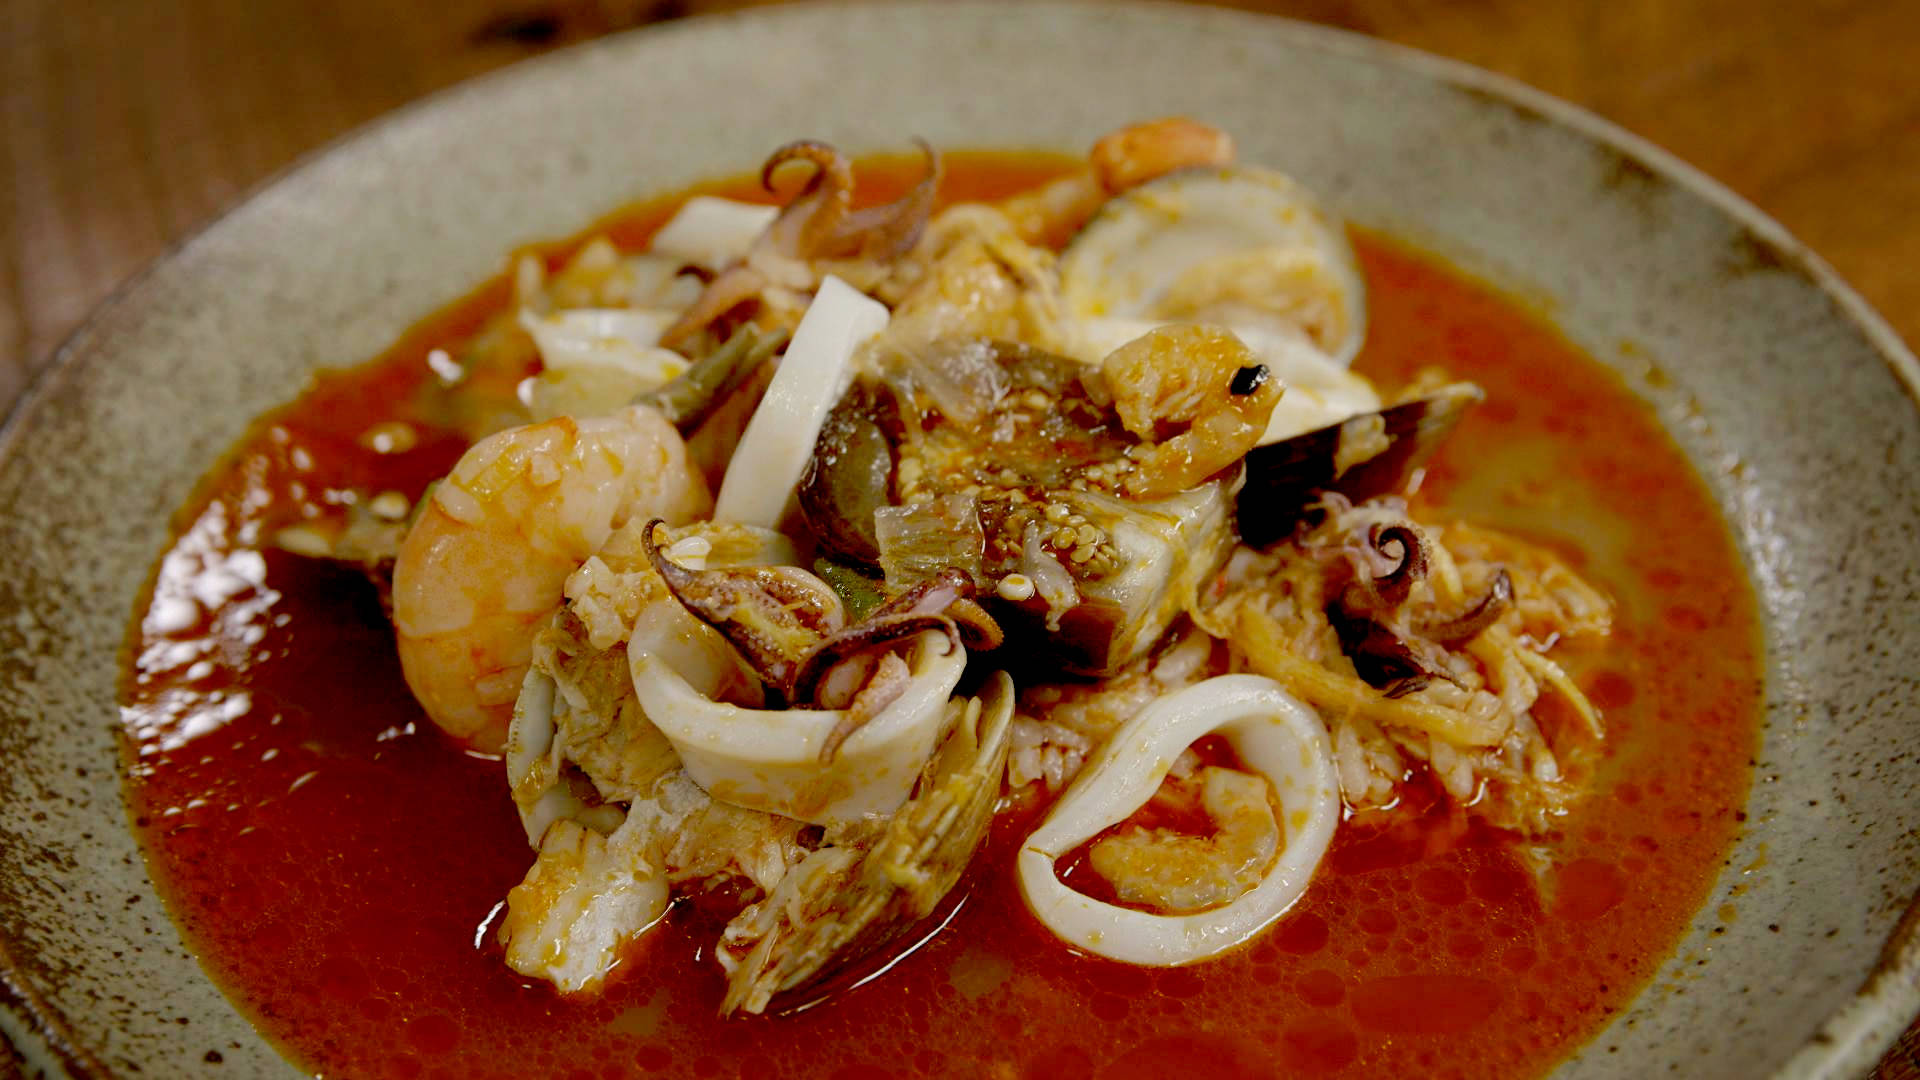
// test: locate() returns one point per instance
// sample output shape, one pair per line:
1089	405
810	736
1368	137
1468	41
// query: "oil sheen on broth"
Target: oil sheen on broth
337	865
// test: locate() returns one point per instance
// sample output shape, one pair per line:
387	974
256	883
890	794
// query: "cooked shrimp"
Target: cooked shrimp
1119	161
486	562
1198	381
1176	873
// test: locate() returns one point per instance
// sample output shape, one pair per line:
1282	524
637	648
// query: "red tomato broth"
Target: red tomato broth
336	865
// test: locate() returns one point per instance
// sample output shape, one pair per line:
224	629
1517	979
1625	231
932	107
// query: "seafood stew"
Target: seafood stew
850	737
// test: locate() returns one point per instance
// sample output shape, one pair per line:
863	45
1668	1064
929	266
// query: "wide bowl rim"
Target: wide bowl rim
1848	1042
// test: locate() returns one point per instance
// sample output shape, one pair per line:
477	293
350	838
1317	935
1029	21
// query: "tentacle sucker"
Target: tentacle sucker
817	214
1274	734
889	231
814	216
774	615
1484	613
1404	551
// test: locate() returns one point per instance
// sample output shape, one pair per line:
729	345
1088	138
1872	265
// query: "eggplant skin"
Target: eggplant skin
849	476
1089	642
1040	468
1283	477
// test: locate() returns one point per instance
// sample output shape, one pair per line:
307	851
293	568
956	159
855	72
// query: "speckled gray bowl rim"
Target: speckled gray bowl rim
1849	1040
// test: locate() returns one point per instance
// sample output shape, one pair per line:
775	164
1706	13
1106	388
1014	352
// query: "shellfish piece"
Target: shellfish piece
771	760
759	488
1236	247
1371	454
845	900
1280	738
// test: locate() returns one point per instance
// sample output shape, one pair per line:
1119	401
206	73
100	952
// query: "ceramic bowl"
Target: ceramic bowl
1791	397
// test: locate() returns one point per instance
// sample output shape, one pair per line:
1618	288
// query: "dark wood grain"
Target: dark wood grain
124	126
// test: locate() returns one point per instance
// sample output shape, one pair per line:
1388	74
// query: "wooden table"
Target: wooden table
127	125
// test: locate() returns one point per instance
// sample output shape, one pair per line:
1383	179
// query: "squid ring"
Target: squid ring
770	760
1279	737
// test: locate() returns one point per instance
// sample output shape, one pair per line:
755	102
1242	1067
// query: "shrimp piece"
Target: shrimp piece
486	563
1198	381
1177	873
1146	151
1120	161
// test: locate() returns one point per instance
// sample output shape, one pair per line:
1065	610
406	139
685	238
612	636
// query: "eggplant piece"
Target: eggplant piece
1361	457
850	476
1166	551
1016	491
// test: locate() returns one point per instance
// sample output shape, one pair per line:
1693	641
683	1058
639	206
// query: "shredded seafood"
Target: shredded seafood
1017	503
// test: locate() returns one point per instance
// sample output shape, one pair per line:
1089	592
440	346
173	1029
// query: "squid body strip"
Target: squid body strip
816	369
712	232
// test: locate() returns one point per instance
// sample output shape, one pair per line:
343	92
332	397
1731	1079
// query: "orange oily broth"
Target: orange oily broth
335	864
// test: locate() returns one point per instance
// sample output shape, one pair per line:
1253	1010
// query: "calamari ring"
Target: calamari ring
1275	734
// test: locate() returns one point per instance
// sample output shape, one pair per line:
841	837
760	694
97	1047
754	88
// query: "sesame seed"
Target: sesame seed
304	540
390	505
446	367
390	437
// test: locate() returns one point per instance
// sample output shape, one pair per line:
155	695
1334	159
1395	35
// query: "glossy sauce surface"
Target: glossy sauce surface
338	867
